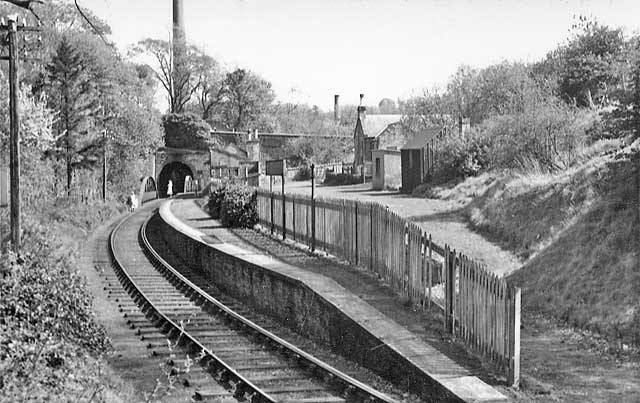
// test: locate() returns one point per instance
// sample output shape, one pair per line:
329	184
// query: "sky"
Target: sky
312	49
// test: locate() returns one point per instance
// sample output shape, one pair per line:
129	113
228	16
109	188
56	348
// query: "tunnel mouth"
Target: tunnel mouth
177	173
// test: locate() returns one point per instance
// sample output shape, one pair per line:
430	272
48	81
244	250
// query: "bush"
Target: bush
239	207
303	173
459	157
544	138
186	130
47	320
215	200
341	179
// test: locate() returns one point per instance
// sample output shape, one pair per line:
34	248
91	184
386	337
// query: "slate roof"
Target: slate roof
374	125
421	139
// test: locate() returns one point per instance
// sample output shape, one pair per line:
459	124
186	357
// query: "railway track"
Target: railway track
247	360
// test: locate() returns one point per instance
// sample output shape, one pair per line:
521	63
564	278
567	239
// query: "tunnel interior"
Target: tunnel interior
176	172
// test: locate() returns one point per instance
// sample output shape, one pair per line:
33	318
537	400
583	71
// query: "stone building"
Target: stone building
373	132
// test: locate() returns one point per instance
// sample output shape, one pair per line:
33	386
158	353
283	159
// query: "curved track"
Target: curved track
247	360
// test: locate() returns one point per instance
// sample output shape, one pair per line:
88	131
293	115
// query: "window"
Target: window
378	167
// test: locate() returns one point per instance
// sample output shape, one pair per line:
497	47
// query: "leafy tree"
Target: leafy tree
246	97
210	91
586	65
74	94
624	119
429	109
36	122
180	81
58	18
307	150
186	130
387	105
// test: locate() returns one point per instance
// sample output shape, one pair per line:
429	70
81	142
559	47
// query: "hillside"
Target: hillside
578	233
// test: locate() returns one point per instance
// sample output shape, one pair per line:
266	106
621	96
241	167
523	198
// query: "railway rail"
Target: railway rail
250	362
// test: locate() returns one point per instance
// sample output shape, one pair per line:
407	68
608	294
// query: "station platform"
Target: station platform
415	334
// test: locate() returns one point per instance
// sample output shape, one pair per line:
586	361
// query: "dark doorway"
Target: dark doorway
177	172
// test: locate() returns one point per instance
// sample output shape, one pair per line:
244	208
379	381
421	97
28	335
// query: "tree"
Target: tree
210	91
429	109
624	119
74	95
186	130
387	105
180	81
245	98
587	63
307	150
36	123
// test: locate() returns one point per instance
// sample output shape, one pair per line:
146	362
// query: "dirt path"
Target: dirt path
441	218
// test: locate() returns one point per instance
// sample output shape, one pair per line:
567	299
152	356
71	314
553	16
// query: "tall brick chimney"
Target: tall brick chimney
179	66
336	108
178	22
362	110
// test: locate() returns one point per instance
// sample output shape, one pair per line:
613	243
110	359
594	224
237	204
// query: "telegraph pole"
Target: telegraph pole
12	28
104	165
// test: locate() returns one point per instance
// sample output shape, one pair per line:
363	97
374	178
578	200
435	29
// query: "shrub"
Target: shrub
303	173
551	135
47	320
239	207
341	179
186	130
544	138
461	157
215	200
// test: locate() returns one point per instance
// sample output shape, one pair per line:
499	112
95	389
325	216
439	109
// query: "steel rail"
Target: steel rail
224	373
349	386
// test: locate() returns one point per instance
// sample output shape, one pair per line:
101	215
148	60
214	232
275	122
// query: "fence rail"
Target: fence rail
480	309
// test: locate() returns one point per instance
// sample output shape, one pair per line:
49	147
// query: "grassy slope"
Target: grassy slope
579	235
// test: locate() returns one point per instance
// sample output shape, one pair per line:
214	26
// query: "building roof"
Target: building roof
385	151
421	139
374	125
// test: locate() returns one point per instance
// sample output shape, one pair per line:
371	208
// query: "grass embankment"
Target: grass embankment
50	343
578	233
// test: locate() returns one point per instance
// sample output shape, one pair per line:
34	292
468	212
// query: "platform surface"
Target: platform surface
354	294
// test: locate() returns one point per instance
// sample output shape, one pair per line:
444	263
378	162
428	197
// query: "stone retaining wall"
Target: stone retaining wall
259	281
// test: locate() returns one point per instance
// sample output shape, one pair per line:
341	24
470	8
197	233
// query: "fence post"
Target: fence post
293	215
313	208
430	273
407	254
271	215
513	376
356	230
445	270
371	260
284	212
450	288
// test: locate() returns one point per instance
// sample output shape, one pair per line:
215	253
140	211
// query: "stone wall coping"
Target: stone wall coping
424	357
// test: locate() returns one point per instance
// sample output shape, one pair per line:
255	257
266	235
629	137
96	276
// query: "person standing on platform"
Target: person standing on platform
132	202
170	188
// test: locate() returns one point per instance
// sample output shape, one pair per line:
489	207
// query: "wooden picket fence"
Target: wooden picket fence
480	309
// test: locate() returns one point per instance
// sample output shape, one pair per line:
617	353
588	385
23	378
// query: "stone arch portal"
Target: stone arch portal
177	172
